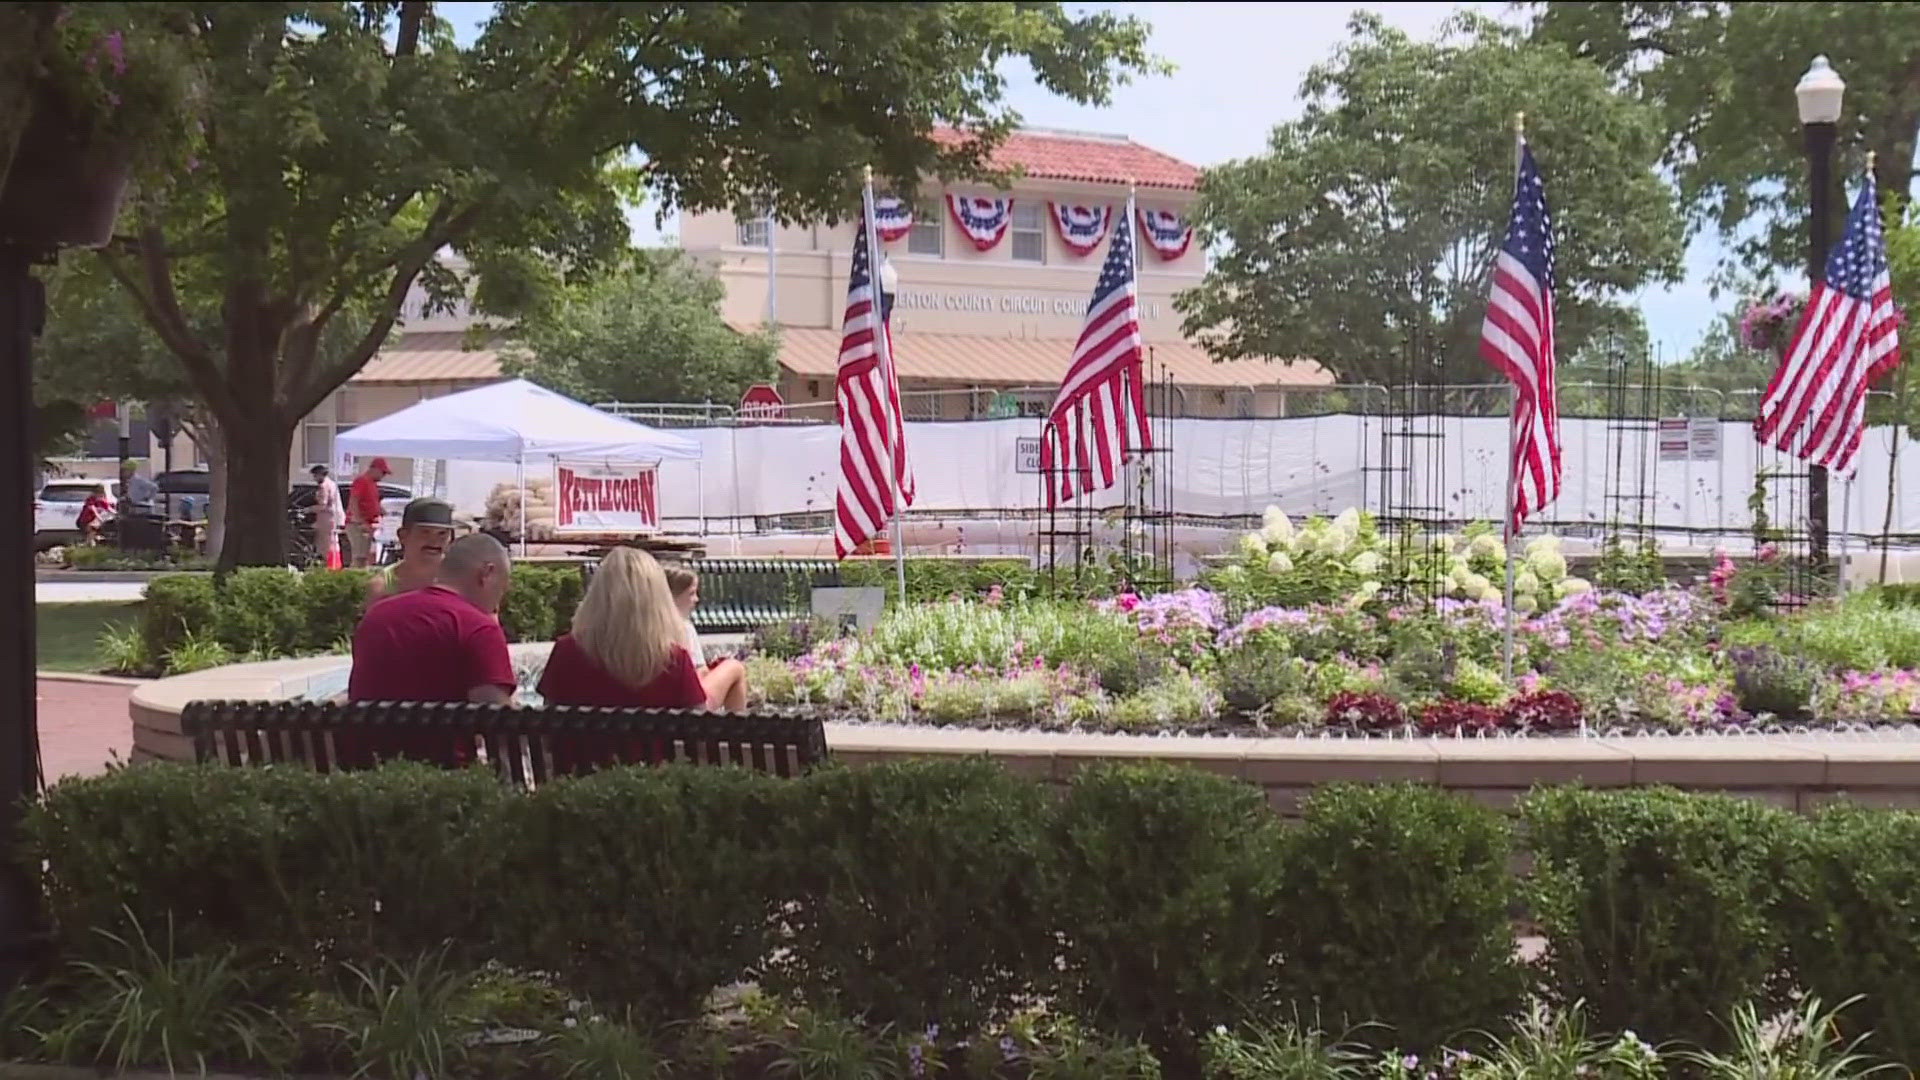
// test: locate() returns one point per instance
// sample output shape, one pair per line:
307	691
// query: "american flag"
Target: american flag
1100	413
1517	339
1816	406
867	403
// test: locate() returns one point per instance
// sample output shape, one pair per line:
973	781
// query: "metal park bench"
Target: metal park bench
746	594
527	747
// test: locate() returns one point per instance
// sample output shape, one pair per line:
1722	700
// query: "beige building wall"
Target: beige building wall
961	290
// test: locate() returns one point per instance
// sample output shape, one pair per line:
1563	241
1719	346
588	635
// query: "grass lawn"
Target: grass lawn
69	633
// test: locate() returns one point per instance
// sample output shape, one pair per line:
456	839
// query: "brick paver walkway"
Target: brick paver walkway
83	726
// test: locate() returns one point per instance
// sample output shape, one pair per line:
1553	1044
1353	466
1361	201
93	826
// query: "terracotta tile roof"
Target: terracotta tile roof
431	357
1110	159
1004	361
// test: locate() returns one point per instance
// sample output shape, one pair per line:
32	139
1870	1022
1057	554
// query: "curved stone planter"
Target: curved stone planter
1796	772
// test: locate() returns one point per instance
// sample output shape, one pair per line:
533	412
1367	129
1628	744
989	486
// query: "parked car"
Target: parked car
56	510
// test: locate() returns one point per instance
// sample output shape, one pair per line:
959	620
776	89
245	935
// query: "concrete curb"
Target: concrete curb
82	677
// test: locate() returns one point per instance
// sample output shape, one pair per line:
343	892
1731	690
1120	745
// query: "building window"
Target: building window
926	237
751	232
1029	235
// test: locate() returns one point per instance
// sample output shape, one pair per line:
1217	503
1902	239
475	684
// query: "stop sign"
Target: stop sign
762	402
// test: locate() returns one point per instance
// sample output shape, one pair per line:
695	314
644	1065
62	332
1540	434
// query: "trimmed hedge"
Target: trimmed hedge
1660	908
935	579
266	612
1150	903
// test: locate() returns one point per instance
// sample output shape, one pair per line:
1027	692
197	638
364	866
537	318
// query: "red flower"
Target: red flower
1544	710
1372	713
1458	717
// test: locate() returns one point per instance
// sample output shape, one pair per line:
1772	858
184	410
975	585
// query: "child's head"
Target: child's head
684	584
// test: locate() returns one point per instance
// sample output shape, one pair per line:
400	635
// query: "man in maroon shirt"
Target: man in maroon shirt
363	511
440	643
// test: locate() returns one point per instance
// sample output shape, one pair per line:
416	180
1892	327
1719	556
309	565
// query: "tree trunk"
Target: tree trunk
206	435
255	500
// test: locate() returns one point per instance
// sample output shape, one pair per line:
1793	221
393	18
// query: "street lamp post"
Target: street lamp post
1818	95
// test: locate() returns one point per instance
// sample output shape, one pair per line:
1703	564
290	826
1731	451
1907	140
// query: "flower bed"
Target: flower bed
1332	628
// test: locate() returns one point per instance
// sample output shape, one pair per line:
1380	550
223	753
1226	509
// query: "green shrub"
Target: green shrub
1259	673
1853	924
934	579
912	891
1159	880
176	605
332	602
645	888
1658	906
533	607
278	862
259	611
1394	910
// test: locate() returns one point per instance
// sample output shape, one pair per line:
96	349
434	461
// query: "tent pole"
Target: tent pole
521	479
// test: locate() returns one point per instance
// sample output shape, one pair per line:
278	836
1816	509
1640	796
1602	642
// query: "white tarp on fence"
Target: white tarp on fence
1321	464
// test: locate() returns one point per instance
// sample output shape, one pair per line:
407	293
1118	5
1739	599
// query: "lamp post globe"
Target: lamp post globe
1819	93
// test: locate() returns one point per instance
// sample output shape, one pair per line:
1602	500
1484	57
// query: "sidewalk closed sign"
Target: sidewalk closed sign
605	497
1026	454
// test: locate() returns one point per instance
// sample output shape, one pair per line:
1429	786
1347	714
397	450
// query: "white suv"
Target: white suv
56	511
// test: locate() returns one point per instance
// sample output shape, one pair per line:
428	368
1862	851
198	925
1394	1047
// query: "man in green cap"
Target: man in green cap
426	528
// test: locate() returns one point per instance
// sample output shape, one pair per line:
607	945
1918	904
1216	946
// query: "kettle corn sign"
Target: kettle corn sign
605	497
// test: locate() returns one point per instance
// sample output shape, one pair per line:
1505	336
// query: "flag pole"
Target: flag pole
890	401
1510	533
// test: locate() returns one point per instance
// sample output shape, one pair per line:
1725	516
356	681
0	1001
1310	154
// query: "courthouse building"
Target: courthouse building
991	295
982	327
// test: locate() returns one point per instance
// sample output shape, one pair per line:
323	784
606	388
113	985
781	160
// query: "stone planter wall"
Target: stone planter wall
1799	772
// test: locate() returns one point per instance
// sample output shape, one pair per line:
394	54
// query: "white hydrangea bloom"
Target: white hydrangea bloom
1275	523
1348	521
1551	566
1543	543
1252	544
1280	563
1476	584
1526	582
1487	592
1574	586
1525	605
1366	564
1485	545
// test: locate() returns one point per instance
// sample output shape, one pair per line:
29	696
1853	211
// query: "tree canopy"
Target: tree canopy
1369	226
345	146
1722	76
650	331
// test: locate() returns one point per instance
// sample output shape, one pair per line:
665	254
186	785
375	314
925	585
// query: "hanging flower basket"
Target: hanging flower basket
66	183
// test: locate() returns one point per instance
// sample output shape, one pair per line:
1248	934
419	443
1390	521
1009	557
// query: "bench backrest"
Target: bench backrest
525	746
746	594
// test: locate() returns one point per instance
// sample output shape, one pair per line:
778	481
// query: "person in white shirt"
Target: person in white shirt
725	680
328	513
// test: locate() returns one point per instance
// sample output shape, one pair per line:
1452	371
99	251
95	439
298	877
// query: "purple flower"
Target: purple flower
115	46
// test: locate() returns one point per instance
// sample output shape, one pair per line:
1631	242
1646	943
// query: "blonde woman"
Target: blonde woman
726	678
626	647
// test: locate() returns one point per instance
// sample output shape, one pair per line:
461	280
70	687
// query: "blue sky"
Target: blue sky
1237	70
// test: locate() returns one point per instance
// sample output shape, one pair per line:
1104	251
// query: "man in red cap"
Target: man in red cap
363	511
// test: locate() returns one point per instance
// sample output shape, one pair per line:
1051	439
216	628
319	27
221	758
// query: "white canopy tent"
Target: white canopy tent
516	422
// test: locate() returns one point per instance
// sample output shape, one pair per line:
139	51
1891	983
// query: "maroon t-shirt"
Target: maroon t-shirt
430	644
574	678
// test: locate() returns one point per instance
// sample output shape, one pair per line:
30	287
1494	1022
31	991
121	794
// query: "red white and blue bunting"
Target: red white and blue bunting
984	220
892	217
1167	233
1081	228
